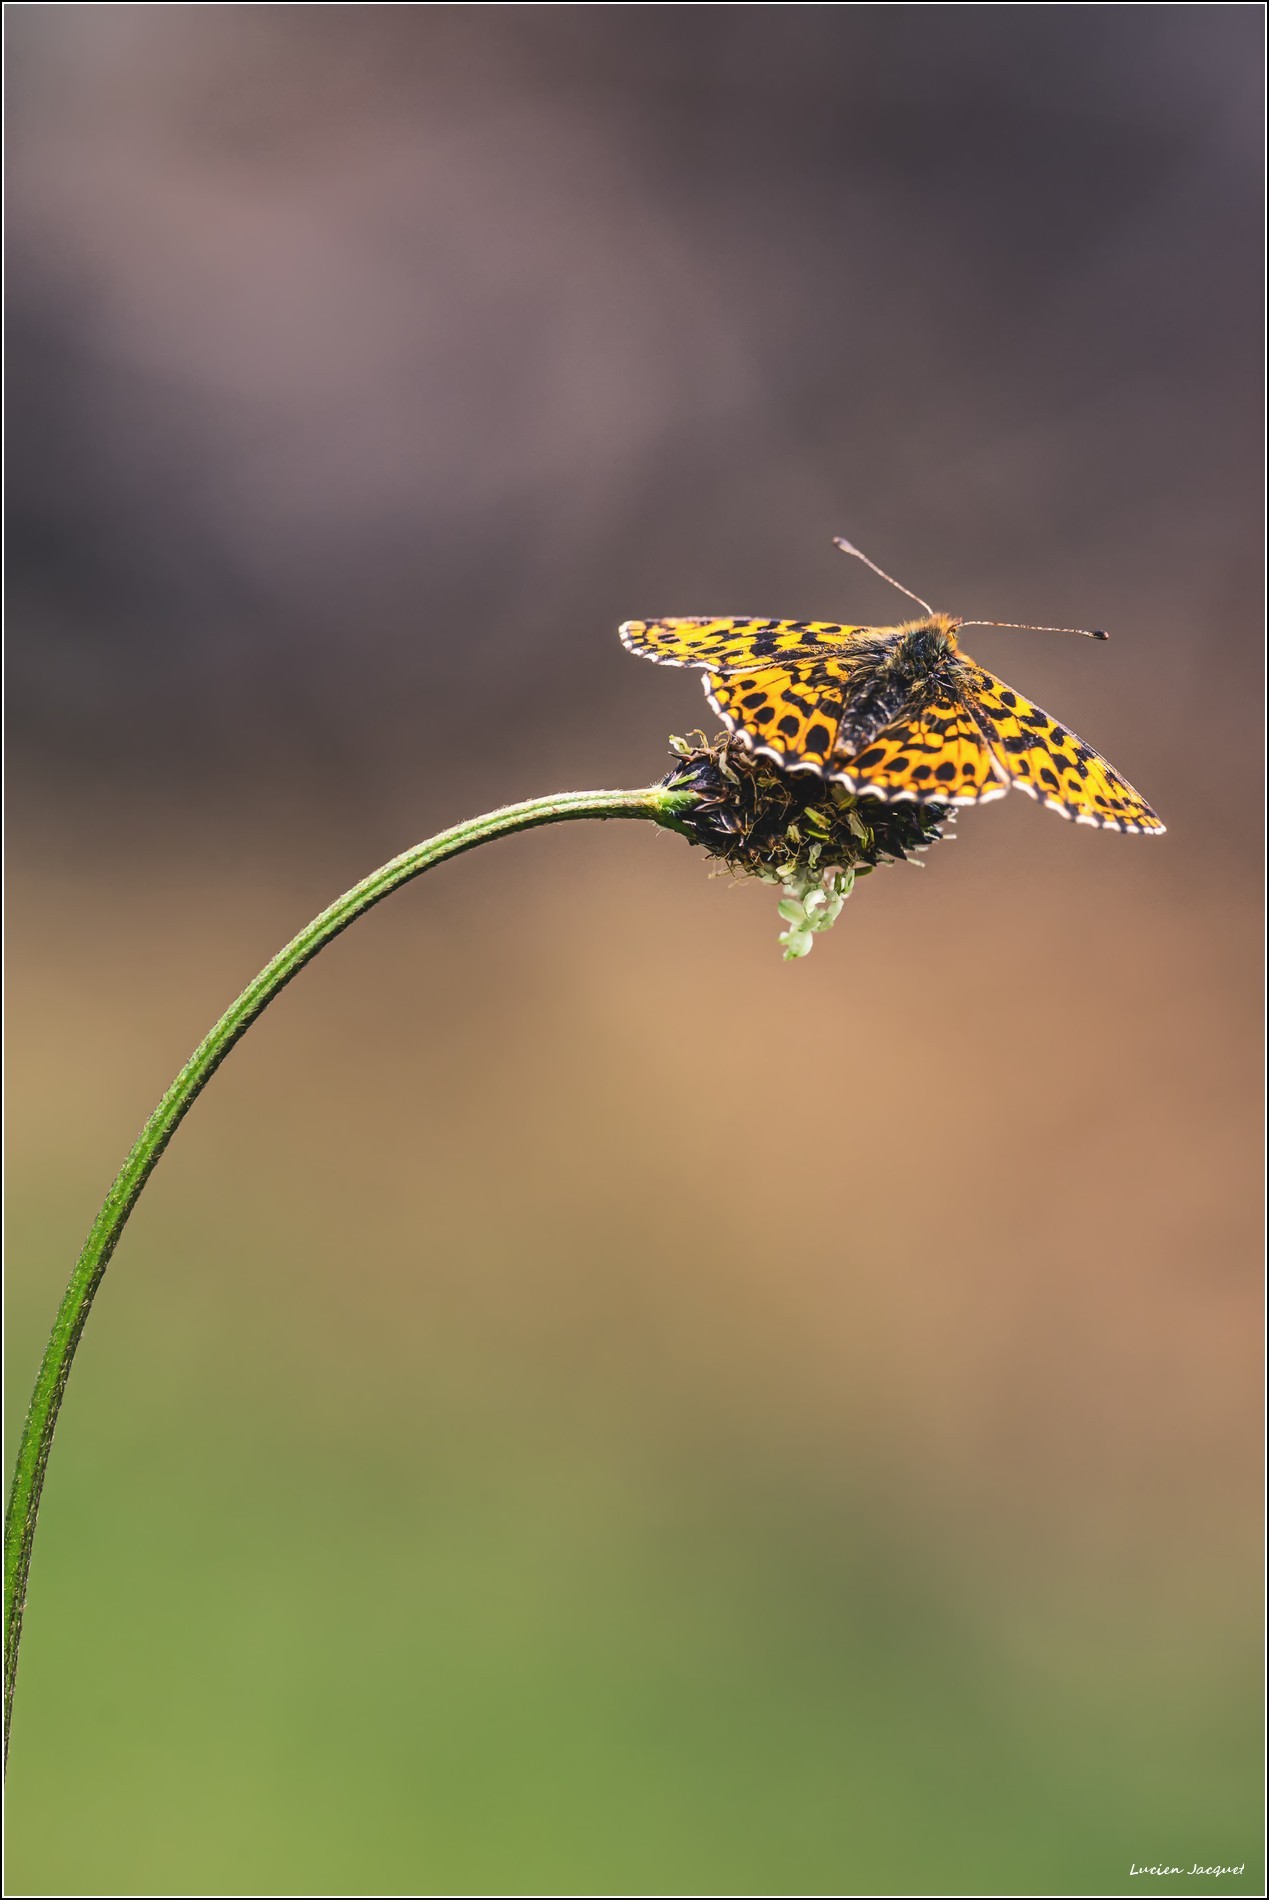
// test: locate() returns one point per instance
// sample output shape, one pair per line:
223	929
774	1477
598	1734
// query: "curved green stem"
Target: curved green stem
655	802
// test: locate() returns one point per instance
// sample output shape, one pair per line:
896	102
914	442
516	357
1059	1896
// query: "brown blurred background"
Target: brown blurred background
584	1406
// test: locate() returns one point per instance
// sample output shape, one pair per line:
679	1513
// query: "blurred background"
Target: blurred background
585	1406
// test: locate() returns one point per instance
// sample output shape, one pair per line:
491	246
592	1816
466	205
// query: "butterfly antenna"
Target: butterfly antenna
1027	626
848	547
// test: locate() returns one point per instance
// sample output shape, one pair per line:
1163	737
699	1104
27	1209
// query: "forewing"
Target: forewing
1052	764
720	645
932	754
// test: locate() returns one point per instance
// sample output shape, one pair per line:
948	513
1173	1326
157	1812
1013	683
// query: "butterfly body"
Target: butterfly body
890	712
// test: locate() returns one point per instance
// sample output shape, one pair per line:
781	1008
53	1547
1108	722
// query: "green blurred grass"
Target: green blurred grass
448	1648
569	1521
438	1654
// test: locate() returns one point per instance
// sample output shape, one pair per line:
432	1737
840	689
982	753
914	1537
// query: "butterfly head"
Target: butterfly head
920	645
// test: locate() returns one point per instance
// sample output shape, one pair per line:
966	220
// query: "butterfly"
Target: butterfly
892	712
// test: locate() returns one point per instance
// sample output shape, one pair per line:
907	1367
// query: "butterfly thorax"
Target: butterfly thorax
894	668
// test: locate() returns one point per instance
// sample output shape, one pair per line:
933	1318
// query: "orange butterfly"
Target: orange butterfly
892	712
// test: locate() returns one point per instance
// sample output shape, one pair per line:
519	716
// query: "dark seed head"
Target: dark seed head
760	820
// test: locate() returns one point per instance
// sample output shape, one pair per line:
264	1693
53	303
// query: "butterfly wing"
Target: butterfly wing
723	644
797	690
1052	764
932	754
789	713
